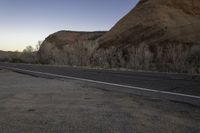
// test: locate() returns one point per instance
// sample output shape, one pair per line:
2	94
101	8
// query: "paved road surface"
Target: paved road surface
172	83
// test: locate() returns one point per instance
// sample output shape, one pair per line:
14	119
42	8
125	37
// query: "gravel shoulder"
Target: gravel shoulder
38	105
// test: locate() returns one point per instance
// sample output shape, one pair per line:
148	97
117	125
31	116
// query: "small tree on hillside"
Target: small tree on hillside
28	55
28	49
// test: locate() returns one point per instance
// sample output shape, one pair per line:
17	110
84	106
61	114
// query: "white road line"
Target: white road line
106	83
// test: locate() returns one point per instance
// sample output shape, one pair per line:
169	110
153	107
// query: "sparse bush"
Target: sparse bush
28	56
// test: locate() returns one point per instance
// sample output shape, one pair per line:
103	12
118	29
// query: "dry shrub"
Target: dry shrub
75	54
45	53
28	57
4	56
19	57
193	59
172	57
168	57
134	57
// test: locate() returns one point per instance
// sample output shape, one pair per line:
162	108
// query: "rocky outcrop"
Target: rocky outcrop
58	42
62	38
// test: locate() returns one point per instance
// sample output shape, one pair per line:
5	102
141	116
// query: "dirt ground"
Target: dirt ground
37	105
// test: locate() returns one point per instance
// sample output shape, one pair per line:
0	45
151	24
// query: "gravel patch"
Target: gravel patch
38	105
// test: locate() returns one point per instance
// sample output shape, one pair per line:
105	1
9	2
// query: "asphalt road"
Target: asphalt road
172	83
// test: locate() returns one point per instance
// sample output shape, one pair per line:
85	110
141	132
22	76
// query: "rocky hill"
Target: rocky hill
157	21
61	38
157	35
58	42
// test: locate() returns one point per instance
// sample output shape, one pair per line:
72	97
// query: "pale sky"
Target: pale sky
25	22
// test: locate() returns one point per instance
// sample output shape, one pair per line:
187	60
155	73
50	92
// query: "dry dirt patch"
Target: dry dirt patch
37	105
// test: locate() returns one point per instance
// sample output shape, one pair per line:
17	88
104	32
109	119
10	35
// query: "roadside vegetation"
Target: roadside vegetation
169	57
181	58
28	55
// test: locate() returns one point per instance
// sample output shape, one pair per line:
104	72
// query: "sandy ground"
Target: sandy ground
37	105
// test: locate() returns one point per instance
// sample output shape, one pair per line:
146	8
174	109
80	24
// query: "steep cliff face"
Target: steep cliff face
156	22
